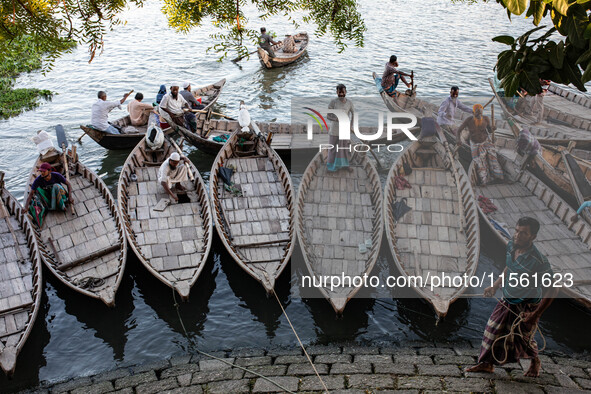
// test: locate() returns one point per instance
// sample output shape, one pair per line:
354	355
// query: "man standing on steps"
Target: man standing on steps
522	305
338	157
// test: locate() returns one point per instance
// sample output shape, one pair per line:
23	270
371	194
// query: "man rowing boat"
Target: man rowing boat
266	41
484	152
509	333
171	109
392	76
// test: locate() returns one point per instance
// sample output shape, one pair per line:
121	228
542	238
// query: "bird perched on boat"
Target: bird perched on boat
243	117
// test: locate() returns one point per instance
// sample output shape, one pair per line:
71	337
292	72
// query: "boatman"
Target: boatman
338	155
172	172
139	112
447	110
188	95
484	152
100	112
392	76
48	193
509	333
171	109
266	41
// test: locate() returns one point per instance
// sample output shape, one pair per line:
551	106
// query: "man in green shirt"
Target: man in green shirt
521	300
265	42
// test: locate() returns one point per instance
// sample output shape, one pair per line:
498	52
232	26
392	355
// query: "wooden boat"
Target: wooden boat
254	217
172	244
132	135
441	234
335	214
129	137
566	245
20	278
545	127
568	106
86	250
283	59
286	138
405	102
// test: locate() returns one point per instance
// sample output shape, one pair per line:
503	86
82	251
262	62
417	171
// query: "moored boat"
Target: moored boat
86	250
172	242
20	278
252	197
566	245
284	58
440	234
340	223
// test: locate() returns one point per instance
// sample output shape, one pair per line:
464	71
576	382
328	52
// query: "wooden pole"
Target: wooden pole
67	171
178	149
488	102
201	111
492	119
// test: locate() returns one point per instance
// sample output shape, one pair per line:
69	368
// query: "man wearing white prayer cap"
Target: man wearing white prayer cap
172	109
191	99
172	172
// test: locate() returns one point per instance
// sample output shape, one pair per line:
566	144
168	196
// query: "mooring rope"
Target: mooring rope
510	337
194	345
300	342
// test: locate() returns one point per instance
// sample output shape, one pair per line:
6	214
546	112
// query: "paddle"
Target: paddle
236	60
6	216
63	143
201	111
456	175
178	149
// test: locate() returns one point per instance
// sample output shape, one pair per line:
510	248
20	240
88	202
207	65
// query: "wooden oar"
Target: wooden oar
83	134
488	102
236	60
178	149
456	175
63	142
492	120
6	215
201	111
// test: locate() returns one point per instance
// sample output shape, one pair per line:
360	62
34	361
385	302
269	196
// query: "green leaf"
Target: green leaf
560	6
516	7
585	57
537	8
508	40
587	33
557	55
587	74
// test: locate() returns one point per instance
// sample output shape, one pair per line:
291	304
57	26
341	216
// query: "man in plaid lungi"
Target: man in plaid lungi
509	333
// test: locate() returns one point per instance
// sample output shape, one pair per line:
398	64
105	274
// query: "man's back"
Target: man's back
100	113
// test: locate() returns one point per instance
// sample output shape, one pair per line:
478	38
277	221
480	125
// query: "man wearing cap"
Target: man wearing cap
48	193
172	172
187	95
139	112
172	109
100	112
484	152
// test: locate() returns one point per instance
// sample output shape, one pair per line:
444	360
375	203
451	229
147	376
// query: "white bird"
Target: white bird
243	117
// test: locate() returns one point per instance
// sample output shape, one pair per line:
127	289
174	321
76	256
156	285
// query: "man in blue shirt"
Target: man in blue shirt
521	300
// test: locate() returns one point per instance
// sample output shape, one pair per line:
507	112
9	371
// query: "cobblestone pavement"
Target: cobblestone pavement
412	368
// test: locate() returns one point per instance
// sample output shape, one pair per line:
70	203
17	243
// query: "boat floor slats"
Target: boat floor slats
338	215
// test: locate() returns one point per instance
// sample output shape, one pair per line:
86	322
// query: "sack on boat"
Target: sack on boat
399	209
42	141
129	130
154	137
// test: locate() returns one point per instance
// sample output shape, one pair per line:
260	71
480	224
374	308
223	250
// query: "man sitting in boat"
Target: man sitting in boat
447	110
171	109
172	172
521	307
188	95
289	45
484	152
48	193
100	112
338	159
392	76
139	112
266	41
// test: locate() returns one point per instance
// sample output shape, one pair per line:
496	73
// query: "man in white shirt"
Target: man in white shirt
100	112
171	109
447	110
172	172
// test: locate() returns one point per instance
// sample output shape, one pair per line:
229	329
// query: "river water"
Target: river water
444	43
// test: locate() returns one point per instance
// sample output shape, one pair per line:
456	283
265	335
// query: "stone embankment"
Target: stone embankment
412	368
